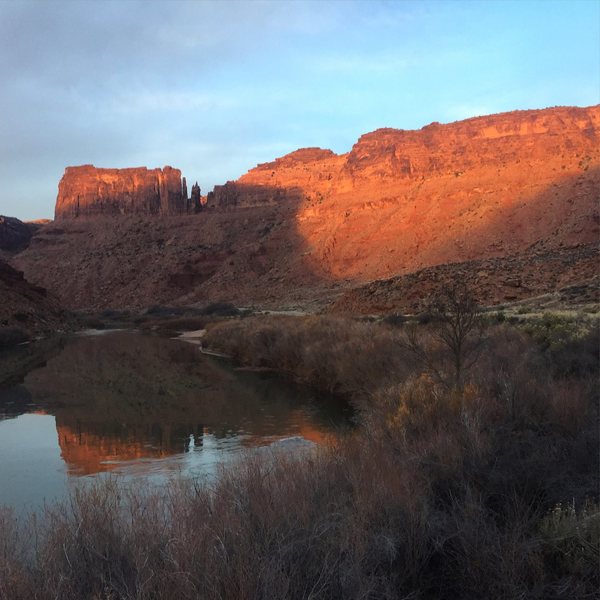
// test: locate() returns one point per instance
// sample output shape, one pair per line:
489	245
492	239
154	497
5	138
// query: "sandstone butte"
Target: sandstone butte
90	191
312	225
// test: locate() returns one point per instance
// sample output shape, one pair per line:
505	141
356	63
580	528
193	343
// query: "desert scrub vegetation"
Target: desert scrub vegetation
429	504
339	355
478	486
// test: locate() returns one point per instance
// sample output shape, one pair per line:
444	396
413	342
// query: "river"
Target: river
137	406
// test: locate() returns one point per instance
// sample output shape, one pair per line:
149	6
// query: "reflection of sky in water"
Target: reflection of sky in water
31	468
142	407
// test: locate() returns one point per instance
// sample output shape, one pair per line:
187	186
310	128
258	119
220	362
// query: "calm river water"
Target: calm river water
139	406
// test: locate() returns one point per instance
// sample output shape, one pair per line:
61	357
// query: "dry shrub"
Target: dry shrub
14	577
331	530
571	543
445	492
342	356
360	520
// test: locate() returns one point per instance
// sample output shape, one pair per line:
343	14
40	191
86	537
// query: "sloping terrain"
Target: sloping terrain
26	306
300	231
572	273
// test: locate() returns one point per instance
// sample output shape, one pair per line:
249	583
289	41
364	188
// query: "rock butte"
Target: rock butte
312	225
87	191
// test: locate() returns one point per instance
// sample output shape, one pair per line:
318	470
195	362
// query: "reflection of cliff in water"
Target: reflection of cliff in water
95	447
16	363
126	396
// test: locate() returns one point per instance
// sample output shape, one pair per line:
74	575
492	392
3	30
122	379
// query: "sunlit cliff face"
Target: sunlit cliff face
403	200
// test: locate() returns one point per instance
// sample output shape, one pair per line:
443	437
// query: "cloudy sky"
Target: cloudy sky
214	88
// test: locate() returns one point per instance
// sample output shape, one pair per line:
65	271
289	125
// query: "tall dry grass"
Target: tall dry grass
489	490
339	355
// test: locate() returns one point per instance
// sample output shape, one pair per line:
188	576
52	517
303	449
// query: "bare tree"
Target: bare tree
458	327
456	324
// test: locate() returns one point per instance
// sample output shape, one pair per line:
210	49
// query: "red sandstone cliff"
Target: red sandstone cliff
404	200
89	191
312	224
395	159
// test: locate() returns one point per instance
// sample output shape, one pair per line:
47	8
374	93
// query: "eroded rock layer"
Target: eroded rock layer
87	191
312	225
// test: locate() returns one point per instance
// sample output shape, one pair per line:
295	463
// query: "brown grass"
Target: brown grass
338	355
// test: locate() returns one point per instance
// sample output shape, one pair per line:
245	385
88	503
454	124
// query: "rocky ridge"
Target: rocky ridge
14	234
570	273
312	225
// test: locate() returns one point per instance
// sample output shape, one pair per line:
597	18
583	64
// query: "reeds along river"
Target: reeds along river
139	406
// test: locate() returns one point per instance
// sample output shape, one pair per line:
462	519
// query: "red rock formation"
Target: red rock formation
400	201
196	199
89	191
313	224
395	156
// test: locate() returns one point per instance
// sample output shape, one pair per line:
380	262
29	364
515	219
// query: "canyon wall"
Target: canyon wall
396	157
14	234
87	191
520	187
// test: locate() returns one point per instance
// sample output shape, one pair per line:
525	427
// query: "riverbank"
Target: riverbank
484	489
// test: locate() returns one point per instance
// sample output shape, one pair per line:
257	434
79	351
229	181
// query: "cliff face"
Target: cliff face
400	201
312	224
89	191
26	306
395	157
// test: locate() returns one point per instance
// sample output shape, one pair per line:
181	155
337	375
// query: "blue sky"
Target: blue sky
214	88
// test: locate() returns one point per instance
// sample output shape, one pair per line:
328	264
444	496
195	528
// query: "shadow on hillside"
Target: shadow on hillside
271	246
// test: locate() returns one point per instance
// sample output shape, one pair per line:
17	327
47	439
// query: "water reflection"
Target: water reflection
135	404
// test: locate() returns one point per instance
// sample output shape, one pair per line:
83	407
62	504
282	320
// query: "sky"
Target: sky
213	88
